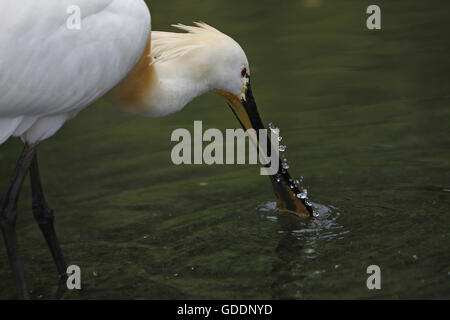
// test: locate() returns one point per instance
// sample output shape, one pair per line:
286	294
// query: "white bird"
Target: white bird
50	71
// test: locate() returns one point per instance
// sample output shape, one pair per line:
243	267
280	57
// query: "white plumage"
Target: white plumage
188	65
48	72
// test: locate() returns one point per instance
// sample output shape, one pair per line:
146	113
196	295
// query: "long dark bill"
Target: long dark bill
286	192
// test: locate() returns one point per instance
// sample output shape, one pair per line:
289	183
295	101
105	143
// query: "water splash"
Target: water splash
274	129
325	227
296	183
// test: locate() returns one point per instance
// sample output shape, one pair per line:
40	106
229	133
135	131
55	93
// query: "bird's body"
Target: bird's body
50	72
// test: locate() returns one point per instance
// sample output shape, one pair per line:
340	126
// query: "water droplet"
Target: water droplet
274	128
303	195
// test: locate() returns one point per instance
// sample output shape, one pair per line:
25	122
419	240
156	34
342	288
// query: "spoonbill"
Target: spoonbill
50	72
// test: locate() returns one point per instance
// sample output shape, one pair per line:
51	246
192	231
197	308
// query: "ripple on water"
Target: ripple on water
298	259
324	225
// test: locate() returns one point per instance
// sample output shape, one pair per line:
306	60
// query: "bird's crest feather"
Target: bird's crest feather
170	45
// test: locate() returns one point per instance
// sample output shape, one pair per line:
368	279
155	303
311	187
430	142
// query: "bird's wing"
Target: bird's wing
49	68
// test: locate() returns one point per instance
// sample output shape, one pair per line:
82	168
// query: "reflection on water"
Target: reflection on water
298	247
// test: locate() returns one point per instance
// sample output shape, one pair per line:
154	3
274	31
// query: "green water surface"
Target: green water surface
365	115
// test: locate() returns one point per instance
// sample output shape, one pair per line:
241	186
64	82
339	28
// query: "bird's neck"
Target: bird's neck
156	90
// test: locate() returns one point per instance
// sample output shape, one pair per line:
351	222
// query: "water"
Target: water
365	116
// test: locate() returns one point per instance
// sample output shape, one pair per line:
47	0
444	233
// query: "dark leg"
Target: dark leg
8	215
44	217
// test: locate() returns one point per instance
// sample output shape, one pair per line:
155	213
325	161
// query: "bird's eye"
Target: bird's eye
244	72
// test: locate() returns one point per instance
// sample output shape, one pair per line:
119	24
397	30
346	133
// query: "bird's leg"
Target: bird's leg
8	215
44	217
